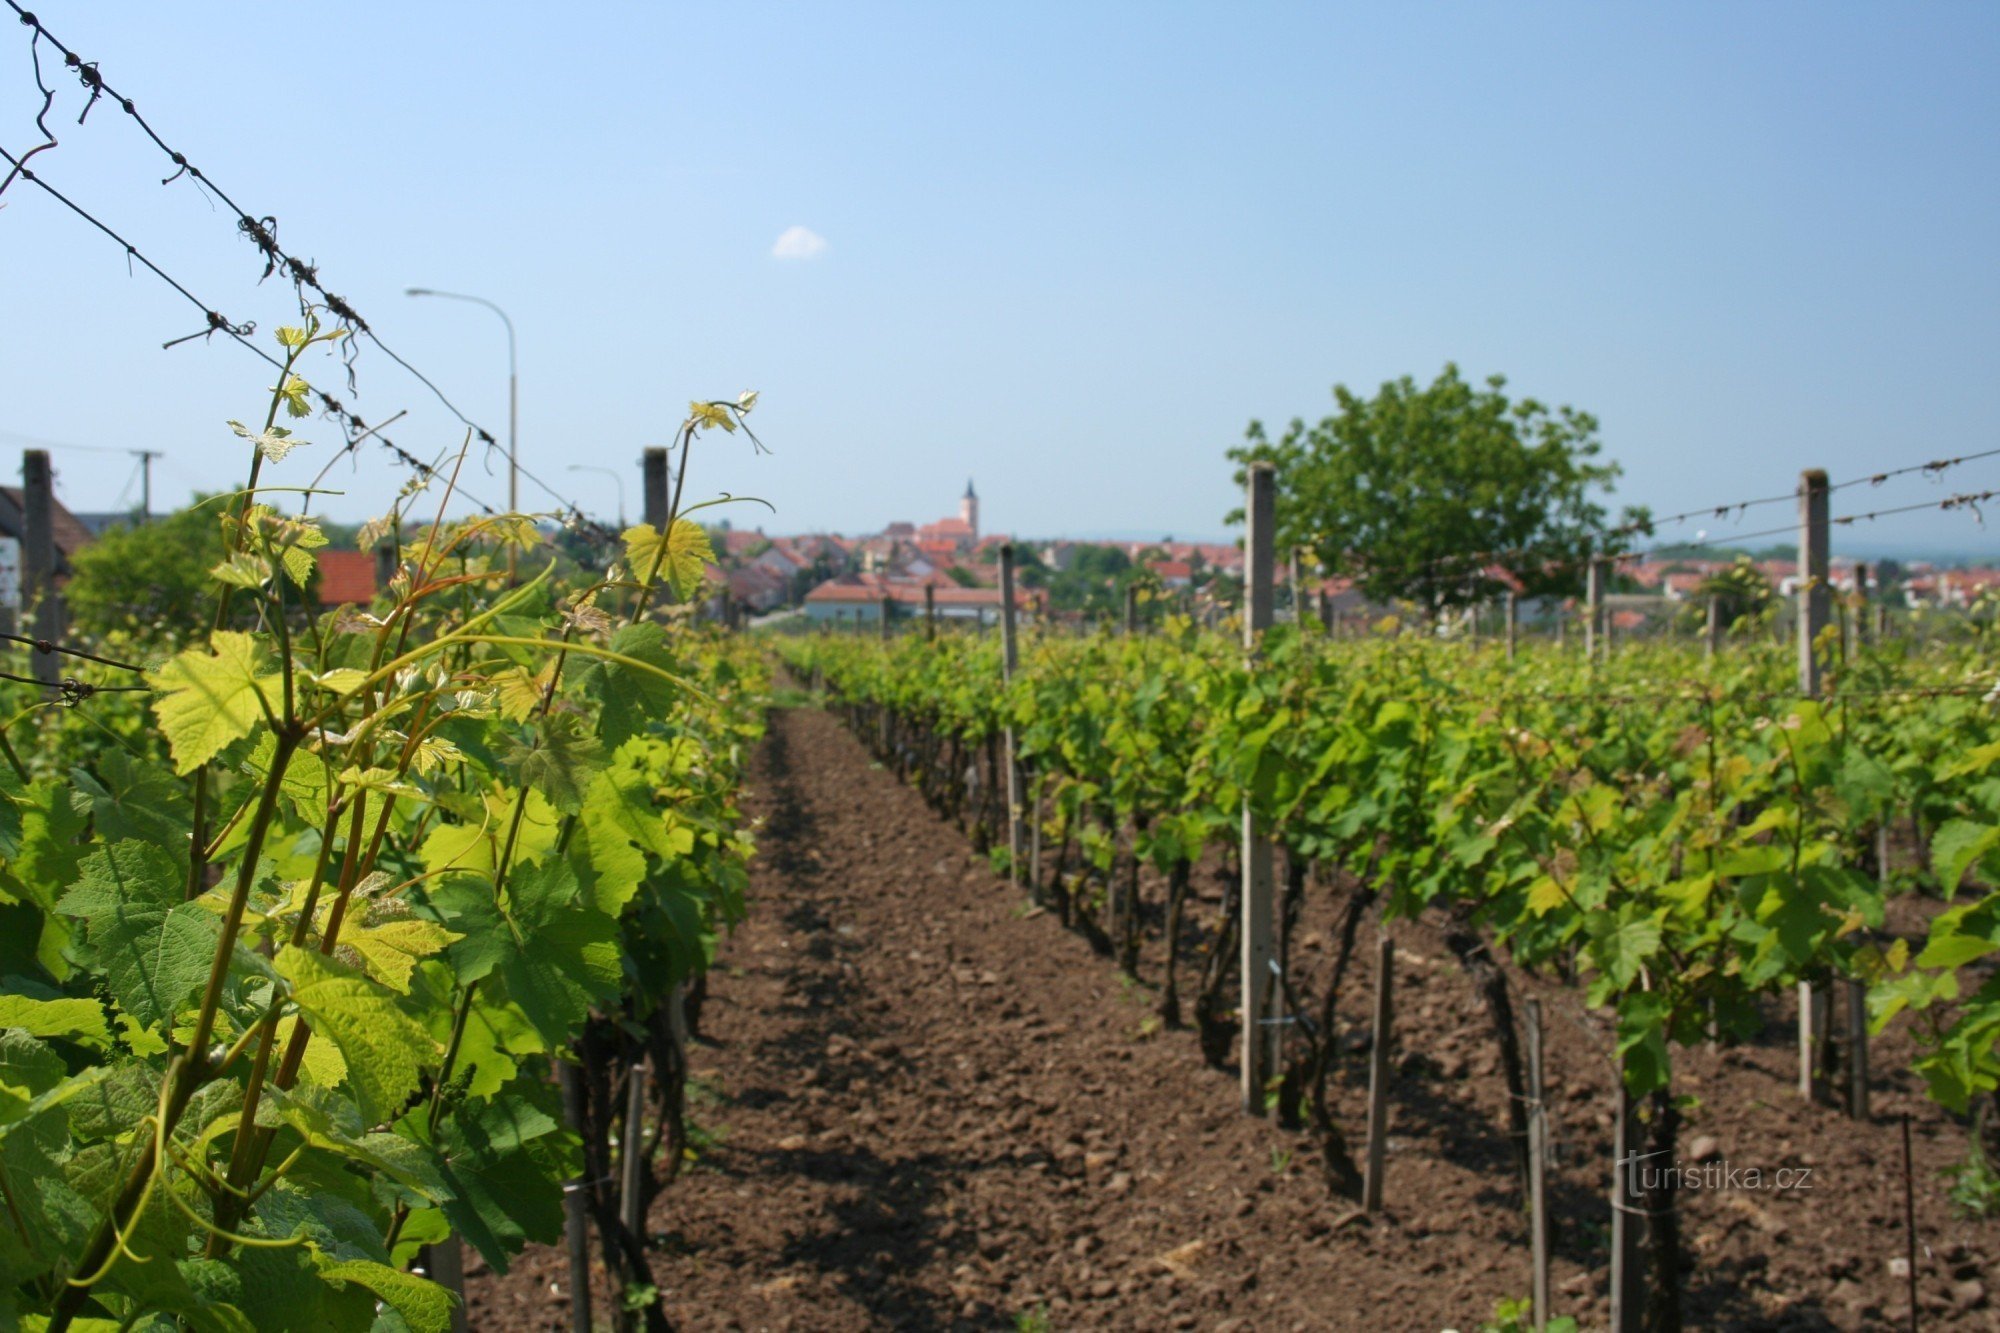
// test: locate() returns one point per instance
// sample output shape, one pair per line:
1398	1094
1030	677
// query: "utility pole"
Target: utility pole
146	457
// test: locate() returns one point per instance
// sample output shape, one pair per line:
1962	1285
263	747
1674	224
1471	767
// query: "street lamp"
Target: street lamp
615	476
513	457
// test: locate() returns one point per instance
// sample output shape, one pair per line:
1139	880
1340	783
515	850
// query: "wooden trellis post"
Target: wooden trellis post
653	479
1009	661
1260	1036
1538	1170
1378	1074
38	559
1815	603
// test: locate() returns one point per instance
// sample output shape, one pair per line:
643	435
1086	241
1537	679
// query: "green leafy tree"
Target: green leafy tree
152	575
1417	492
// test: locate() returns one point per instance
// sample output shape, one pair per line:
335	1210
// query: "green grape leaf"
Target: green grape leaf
629	697
386	1050
79	1020
685	556
206	700
389	950
424	1305
551	951
504	1161
560	763
1956	846
1621	943
153	949
131	798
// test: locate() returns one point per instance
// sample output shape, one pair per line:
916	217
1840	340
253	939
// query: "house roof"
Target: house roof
70	533
346	576
858	591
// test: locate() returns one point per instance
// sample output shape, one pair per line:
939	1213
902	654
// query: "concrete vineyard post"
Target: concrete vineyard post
1628	1303
1538	1170
1378	1074
1593	608
38	558
1714	626
1260	1038
1511	609
653	479
1294	576
1009	661
632	1154
930	612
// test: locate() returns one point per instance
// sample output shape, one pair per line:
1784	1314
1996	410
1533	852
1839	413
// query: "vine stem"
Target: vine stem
190	1069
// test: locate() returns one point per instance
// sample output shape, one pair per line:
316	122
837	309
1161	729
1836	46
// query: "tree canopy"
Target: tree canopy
1425	492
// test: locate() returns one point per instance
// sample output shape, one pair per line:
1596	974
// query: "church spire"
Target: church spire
970	494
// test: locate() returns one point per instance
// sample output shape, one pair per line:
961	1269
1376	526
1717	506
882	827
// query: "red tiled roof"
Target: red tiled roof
70	534
857	591
346	576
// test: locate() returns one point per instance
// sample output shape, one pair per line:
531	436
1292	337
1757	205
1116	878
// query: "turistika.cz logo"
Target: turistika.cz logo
1720	1174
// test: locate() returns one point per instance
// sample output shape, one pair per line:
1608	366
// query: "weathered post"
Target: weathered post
1714	627
1860	617
1815	595
447	1269
1326	610
930	612
1628	1286
1260	1037
1512	611
1538	1169
1294	575
1378	1073
653	476
1857	1048
38	558
1009	661
1815	599
576	1214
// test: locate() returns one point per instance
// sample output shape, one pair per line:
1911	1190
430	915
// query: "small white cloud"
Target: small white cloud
798	243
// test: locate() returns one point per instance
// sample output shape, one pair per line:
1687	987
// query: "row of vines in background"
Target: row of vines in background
1682	837
303	924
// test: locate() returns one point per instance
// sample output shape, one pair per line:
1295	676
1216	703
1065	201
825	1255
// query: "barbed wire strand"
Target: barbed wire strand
240	333
261	231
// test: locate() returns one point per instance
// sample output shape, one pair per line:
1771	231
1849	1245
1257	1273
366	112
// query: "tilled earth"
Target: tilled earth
926	1107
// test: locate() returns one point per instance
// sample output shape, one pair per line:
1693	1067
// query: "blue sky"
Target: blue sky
1069	250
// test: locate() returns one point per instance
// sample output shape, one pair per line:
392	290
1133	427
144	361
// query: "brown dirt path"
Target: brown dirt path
932	1109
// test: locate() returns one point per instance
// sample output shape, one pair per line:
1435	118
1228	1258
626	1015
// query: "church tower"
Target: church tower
968	509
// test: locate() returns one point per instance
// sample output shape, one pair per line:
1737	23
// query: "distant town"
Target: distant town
830	577
952	565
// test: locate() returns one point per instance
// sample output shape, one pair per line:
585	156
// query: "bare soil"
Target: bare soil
927	1106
